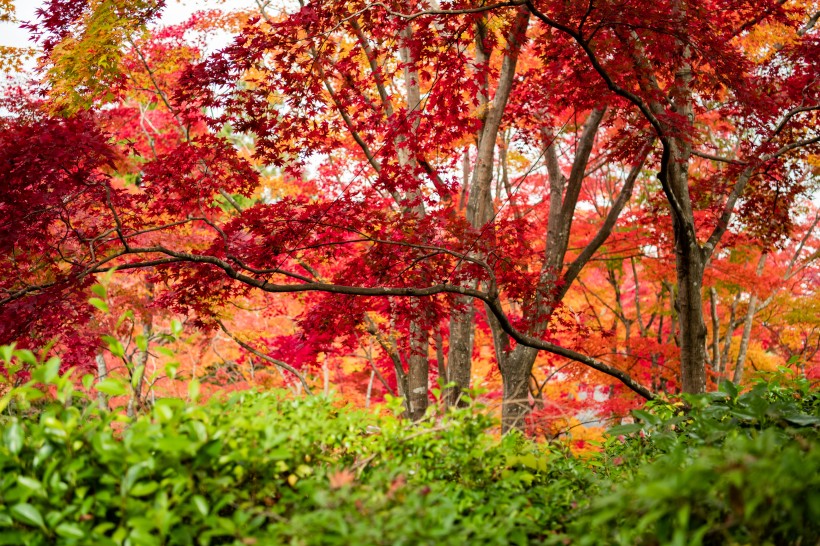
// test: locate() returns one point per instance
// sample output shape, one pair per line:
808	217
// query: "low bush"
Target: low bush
731	469
267	468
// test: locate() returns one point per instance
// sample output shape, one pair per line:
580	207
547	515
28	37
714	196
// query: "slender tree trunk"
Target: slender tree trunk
747	327
716	364
418	374
102	373
460	355
138	373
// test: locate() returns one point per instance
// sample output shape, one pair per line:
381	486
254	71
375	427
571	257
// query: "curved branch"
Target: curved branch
606	229
263	356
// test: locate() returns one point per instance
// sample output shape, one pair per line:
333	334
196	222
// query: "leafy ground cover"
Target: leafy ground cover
268	468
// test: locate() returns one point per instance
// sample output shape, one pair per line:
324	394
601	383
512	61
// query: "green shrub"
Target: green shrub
733	469
263	468
269	469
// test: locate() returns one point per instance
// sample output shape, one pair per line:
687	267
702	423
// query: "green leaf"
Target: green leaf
25	356
171	369
135	379
729	388
27	514
624	429
13	437
6	352
100	291
646	417
201	505
88	380
142	343
176	328
143	489
31	484
193	390
111	387
99	304
165	351
114	346
70	530
48	371
129	314
4	402
802	419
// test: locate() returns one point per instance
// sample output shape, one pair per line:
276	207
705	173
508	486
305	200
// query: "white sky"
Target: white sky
175	12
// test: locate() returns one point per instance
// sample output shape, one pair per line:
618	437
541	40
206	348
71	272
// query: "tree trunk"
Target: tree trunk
460	355
515	374
102	373
689	269
418	374
138	373
747	327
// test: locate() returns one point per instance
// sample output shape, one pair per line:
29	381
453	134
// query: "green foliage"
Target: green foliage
263	468
733	469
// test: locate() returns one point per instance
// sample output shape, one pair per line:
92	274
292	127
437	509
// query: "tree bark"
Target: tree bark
747	327
418	373
102	373
460	354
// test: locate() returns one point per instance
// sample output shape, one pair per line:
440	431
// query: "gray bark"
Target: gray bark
102	373
747	327
418	373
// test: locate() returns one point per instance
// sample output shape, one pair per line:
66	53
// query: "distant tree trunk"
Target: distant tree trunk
102	373
747	327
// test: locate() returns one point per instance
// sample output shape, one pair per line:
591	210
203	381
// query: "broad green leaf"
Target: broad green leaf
729	388
193	389
624	429
25	356
201	505
129	314
176	327
135	379
114	346
111	387
47	372
142	343
100	291
165	351
70	530
30	483
802	419
99	304
27	514
13	437
646	417
171	369
143	489
6	352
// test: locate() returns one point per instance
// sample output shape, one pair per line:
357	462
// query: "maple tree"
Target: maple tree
396	175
